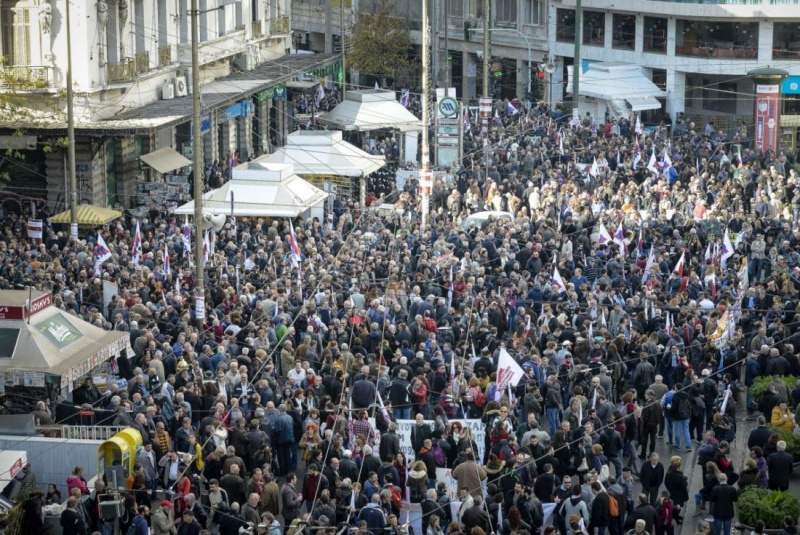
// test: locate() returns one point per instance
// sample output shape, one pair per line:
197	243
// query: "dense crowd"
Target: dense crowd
643	281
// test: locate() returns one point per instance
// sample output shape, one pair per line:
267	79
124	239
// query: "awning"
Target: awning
165	160
88	214
643	103
371	109
618	83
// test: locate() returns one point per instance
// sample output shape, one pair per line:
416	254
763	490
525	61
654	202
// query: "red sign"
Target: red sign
767	111
21	313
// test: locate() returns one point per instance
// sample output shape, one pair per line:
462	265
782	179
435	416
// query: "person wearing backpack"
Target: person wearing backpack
681	413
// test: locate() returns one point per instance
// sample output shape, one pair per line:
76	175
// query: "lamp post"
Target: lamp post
549	67
527	43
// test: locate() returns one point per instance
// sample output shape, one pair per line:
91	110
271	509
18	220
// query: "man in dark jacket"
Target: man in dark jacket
722	499
601	510
644	511
420	432
779	466
390	443
283	438
374	516
652	418
291	499
400	396
71	520
431	507
760	435
651	477
476	516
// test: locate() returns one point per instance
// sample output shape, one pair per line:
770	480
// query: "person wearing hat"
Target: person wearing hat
162	519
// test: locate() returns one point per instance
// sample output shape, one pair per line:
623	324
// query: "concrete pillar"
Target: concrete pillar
671	33
676	92
227	128
282	123
608	31
766	31
522	77
639	38
245	134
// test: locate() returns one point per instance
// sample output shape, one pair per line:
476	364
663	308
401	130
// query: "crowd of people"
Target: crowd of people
643	281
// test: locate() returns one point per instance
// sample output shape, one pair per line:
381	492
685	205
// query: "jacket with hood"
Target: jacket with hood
575	506
418	482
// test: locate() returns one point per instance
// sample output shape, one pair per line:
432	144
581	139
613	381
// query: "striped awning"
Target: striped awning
88	214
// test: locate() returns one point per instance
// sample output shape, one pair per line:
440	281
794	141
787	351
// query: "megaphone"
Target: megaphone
217	221
550	67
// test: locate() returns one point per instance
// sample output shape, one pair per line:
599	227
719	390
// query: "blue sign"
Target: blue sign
791	86
82	168
205	125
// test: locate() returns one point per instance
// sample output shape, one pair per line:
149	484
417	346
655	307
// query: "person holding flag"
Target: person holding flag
727	251
619	238
186	237
136	246
557	282
603	237
101	254
167	266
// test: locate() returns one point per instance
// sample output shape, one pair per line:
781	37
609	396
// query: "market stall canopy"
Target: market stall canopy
623	85
314	152
260	189
371	109
88	214
39	340
165	160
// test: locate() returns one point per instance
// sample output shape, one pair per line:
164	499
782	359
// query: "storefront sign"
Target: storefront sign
35	229
21	312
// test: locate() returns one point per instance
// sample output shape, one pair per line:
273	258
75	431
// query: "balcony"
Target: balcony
142	60
258	32
124	71
232	44
716	51
24	77
280	25
164	56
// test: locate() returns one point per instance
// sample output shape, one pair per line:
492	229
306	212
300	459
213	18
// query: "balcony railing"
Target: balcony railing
709	51
257	29
24	77
142	61
124	71
79	432
280	25
164	56
792	52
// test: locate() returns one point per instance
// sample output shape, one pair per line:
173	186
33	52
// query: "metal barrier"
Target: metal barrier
83	432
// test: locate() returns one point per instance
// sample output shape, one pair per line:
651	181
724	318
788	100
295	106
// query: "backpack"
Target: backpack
613	506
439	456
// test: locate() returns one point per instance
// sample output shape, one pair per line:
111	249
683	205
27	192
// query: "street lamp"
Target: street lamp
527	43
549	66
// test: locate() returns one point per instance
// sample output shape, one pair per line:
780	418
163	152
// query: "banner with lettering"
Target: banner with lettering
404	430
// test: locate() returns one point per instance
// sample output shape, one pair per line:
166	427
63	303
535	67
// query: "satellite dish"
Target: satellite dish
215	221
550	67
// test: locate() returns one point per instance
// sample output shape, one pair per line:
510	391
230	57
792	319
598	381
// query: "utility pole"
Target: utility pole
486	51
446	44
576	64
73	179
425	178
197	156
329	26
434	22
342	44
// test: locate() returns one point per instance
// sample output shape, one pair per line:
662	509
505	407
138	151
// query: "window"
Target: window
565	25
786	40
138	22
594	28
163	36
455	9
506	12
719	96
624	36
203	20
655	34
8	342
716	39
535	12
16	29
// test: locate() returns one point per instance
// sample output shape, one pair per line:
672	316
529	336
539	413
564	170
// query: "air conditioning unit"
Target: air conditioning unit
181	88
168	91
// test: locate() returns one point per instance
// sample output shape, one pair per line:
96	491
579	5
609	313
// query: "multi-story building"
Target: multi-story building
698	52
131	71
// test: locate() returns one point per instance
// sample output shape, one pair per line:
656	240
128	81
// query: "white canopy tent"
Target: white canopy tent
371	109
262	189
621	87
325	153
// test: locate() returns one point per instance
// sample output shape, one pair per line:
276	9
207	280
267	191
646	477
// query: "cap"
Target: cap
166	503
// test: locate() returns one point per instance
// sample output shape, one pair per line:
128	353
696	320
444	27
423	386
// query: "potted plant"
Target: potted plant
770	506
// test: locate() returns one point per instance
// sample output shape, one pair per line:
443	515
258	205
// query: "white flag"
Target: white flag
603	238
557	282
101	253
651	259
727	251
509	373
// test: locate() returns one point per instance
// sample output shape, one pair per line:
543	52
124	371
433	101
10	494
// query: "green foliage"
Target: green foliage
770	506
380	42
792	442
761	383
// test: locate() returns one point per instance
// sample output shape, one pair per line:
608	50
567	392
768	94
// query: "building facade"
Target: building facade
131	77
